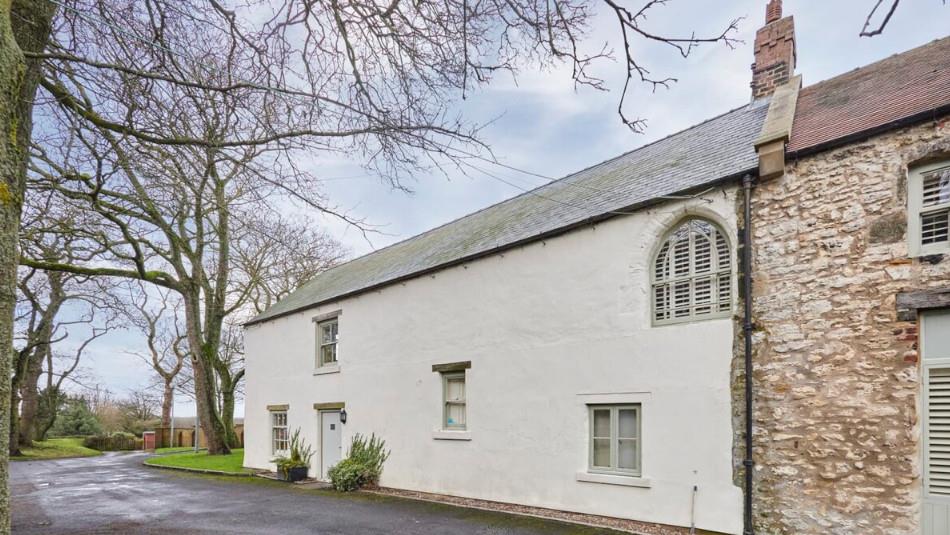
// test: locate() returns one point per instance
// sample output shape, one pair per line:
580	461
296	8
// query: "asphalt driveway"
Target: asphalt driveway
116	494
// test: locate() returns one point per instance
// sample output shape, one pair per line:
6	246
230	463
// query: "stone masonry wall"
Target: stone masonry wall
836	374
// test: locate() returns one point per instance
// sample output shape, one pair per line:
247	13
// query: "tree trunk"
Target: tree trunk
11	188
30	399
202	363
24	25
167	398
14	431
48	423
227	414
206	396
20	364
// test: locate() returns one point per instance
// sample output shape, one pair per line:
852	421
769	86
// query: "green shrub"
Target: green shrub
300	455
363	467
118	441
74	418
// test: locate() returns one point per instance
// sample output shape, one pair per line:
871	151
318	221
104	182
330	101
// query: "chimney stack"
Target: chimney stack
774	51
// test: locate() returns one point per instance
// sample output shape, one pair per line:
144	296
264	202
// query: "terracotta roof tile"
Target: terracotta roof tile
899	87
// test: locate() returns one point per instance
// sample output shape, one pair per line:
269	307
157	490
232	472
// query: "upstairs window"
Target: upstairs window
692	274
929	209
328	334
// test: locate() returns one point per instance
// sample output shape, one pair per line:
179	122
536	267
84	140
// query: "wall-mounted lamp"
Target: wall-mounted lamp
342	416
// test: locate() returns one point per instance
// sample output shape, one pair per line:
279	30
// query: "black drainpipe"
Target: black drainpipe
747	333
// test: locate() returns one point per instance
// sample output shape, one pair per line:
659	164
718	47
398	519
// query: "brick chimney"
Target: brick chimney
774	51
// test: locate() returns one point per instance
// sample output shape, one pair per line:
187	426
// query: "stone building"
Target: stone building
850	245
583	347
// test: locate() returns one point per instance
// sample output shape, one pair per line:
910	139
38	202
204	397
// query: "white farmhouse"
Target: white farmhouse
583	346
568	348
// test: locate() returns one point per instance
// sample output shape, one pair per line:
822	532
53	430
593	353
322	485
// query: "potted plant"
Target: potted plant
293	467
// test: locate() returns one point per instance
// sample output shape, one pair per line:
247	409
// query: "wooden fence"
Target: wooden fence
113	443
185	436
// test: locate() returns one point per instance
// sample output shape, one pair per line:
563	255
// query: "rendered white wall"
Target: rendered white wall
548	327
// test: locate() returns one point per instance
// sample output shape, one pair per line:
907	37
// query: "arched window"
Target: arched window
692	274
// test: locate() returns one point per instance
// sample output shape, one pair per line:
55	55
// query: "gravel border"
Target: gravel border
619	524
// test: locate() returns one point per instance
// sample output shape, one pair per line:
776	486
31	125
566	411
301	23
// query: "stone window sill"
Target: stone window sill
451	435
324	370
607	479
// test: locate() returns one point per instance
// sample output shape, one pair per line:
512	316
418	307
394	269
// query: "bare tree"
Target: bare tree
43	321
42	299
61	365
165	340
277	255
170	216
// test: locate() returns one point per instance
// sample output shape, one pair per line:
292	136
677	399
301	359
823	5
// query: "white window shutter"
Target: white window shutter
936	187
692	274
928	202
935	227
938	432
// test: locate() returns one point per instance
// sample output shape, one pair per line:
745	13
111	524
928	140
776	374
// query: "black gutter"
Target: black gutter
748	463
911	120
735	177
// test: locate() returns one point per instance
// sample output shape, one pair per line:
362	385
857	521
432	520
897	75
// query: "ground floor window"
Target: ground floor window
615	439
280	439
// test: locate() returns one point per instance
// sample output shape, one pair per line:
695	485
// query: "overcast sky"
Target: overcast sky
540	123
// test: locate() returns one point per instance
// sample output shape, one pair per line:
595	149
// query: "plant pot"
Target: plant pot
294	474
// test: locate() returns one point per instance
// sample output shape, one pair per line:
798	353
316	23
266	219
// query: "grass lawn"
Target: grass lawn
176	449
56	448
230	463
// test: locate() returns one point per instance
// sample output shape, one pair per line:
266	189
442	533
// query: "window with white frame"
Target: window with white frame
453	400
928	227
327	337
280	438
692	274
615	439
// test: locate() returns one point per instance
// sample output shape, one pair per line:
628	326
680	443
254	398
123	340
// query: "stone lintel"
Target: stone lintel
452	366
334	405
283	407
910	303
327	316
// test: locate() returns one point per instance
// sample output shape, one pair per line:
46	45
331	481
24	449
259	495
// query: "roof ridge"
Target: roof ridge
534	190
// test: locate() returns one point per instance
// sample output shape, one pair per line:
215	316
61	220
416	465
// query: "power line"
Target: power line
265	87
534	192
566	182
95	20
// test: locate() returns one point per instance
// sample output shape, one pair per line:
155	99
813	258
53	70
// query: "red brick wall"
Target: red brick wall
774	56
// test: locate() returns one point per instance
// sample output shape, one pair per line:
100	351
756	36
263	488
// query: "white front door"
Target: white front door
331	441
935	353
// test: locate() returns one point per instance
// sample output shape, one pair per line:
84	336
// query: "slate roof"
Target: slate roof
903	86
704	154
